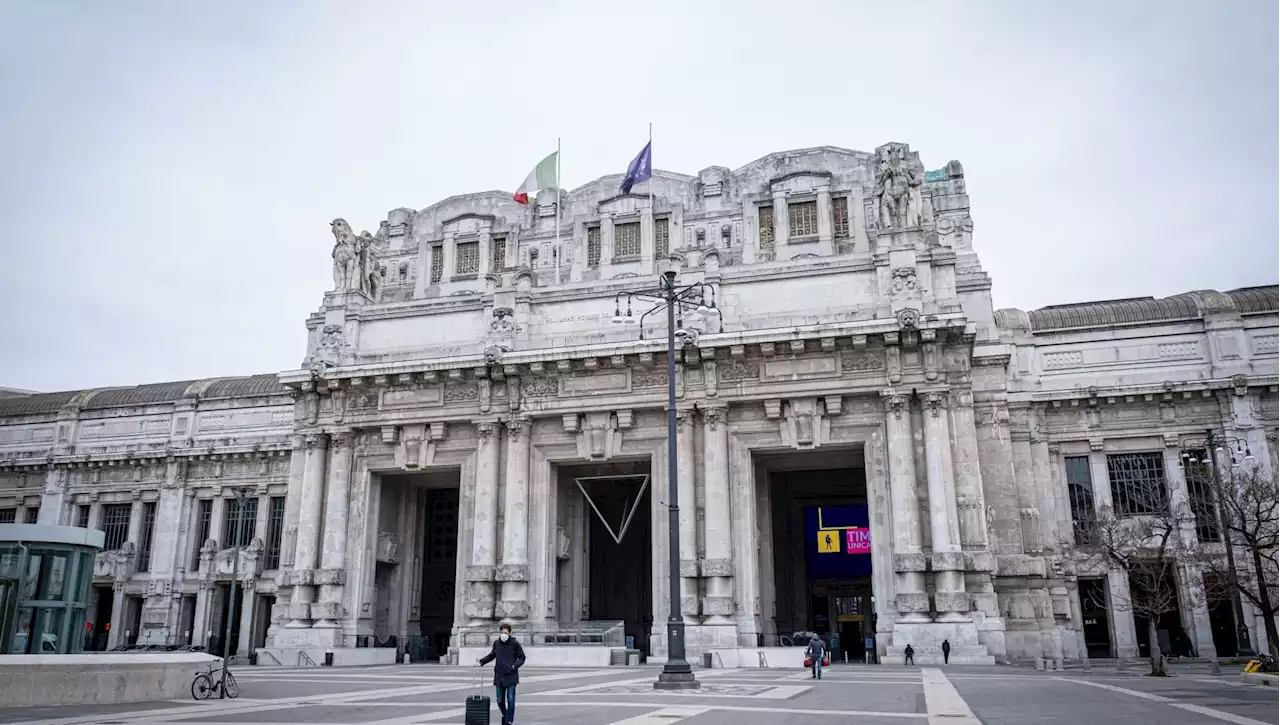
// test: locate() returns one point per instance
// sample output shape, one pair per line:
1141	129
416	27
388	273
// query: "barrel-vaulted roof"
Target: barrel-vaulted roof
1186	306
254	386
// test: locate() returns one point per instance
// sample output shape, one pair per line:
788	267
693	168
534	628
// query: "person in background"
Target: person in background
911	656
506	671
816	652
946	651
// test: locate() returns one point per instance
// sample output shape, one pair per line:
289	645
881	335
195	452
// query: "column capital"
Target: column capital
714	417
895	403
343	439
485	430
316	440
935	403
518	427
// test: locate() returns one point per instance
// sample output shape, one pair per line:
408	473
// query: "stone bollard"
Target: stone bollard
1214	667
1039	663
1085	665
1057	664
406	658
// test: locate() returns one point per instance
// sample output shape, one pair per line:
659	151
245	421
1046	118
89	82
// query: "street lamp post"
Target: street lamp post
242	495
676	673
1214	445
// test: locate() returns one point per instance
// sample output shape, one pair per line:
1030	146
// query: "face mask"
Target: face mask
504	636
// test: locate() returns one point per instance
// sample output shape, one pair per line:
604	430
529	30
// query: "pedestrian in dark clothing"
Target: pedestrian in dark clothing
509	656
816	652
946	651
911	655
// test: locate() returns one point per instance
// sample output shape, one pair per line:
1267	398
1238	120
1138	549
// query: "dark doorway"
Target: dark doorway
218	643
1097	625
439	567
620	544
103	601
822	555
1222	618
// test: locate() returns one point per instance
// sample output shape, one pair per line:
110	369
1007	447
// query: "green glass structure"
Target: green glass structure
45	575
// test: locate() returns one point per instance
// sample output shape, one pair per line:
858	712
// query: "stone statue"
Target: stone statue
897	188
346	260
367	265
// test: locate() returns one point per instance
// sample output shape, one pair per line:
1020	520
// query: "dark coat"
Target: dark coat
946	647
509	656
817	648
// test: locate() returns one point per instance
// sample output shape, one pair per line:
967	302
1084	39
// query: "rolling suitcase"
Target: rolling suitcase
477	707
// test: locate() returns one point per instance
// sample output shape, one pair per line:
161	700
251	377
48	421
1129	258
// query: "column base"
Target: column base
676	681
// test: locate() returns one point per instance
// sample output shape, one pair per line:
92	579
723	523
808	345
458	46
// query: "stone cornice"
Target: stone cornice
1146	392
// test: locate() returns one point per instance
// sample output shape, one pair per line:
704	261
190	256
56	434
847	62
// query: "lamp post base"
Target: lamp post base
676	681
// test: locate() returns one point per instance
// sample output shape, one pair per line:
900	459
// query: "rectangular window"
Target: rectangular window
8	516
275	532
593	247
626	240
497	254
1137	484
468	258
204	519
661	238
802	219
115	524
33	514
766	226
840	217
82	515
148	533
437	263
1199	473
241	514
1080	492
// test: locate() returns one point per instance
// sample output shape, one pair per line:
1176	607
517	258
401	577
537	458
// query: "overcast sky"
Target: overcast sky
168	169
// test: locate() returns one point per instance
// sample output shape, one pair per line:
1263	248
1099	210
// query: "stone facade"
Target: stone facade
472	346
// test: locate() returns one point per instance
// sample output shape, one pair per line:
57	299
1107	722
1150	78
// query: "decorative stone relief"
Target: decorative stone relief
861	360
803	425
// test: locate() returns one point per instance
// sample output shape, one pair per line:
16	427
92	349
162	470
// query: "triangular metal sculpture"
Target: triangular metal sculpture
628	512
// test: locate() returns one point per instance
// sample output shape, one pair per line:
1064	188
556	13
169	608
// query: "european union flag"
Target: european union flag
640	169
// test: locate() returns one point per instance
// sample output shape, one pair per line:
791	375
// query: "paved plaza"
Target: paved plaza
403	695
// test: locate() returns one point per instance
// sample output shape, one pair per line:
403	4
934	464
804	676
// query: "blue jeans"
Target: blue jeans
817	667
506	697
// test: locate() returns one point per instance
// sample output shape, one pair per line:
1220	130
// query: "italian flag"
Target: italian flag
543	176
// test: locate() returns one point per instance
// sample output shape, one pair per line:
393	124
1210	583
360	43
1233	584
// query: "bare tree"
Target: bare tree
1139	536
1246	513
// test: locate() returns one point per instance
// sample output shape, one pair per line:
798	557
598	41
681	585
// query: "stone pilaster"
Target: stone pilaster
479	574
53	500
333	559
781	226
947	559
968	473
912	602
717	567
825	230
514	571
1119	603
688	516
307	552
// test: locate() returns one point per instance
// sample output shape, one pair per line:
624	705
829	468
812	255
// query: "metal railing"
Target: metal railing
304	659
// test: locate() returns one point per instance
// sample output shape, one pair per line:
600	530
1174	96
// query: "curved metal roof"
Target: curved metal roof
1256	299
250	387
137	395
1186	306
150	394
37	403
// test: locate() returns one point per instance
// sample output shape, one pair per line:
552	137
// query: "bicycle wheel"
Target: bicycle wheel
230	686
201	687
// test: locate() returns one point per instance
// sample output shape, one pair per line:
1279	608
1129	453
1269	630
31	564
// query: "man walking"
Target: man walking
506	671
946	651
816	652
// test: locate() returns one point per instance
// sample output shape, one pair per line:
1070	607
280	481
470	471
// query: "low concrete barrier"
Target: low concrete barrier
98	679
1259	678
591	655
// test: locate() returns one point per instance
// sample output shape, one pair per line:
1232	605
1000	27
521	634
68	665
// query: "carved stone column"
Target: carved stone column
947	560
307	552
908	560
717	567
968	472
688	516
514	572
333	559
479	574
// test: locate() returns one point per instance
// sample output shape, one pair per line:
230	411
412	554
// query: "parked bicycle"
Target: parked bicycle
220	681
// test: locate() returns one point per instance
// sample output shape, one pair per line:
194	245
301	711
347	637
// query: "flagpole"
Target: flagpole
559	251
